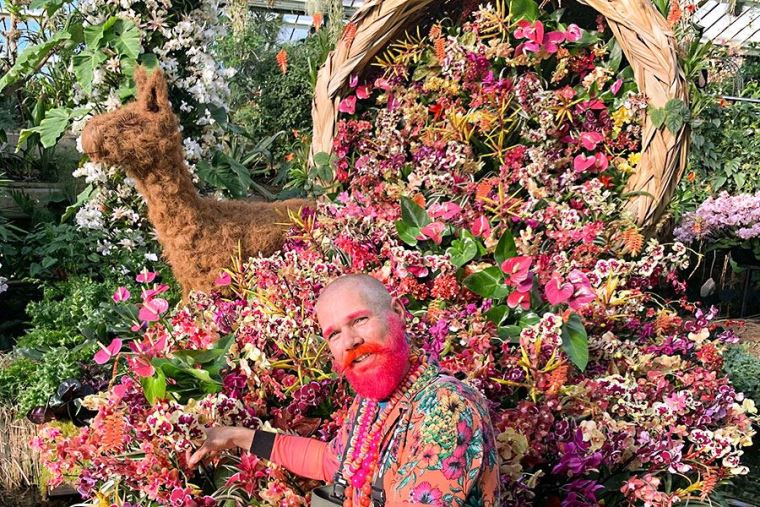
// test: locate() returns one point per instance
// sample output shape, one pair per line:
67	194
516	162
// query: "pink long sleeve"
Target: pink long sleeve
306	457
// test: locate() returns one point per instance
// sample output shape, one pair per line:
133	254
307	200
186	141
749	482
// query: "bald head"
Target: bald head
372	291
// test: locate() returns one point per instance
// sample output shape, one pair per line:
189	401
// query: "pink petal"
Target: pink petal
353	80
582	162
433	231
223	280
573	33
363	92
518	298
557	292
601	162
106	353
121	294
480	227
589	140
146	276
348	105
418	271
615	88
517	265
447	210
140	366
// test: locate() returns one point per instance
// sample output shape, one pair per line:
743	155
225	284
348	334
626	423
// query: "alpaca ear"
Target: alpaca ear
141	77
159	92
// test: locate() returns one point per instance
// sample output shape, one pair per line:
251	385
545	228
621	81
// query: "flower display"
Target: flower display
724	220
479	176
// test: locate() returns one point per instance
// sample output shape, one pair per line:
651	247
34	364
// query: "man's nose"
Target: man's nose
353	339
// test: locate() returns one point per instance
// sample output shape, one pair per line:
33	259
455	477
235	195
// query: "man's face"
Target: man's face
367	344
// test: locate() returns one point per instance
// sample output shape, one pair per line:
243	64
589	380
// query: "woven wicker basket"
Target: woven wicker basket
646	40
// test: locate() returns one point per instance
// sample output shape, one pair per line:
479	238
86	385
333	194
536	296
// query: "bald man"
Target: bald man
412	435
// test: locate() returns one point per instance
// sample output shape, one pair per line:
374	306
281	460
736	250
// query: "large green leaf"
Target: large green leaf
523	9
407	233
50	6
463	250
505	248
575	341
85	65
488	283
125	37
413	214
31	57
93	34
52	127
154	387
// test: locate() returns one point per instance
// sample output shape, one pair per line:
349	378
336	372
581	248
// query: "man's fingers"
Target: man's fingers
197	457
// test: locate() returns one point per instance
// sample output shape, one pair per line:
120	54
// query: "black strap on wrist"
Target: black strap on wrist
263	443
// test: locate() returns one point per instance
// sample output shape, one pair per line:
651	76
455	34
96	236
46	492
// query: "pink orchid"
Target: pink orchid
418	271
583	162
146	276
363	92
147	347
223	280
519	298
148	294
140	366
121	294
353	80
106	353
589	140
480	227
152	309
615	88
573	33
518	273
551	41
532	31
600	162
433	231
447	210
348	105
383	84
557	292
583	292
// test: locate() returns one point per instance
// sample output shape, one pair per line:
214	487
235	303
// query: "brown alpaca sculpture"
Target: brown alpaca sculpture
199	235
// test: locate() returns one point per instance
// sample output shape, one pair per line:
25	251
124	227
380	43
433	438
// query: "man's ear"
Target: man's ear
398	307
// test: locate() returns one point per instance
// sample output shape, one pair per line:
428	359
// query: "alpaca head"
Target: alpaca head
139	136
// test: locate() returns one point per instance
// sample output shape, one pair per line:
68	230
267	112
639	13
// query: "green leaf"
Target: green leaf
523	9
488	283
52	127
321	158
154	387
676	115
125	37
50	6
615	55
462	250
529	319
505	248
658	116
31	57
413	214
93	34
497	314
85	64
575	341
407	233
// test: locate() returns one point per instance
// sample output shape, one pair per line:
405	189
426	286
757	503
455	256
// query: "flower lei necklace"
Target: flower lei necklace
364	447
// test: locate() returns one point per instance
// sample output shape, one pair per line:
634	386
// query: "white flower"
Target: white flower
89	217
150	256
3	284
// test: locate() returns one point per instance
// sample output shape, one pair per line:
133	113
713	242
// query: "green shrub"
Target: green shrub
744	371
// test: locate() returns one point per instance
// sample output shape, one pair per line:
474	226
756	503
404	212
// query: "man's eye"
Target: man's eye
361	320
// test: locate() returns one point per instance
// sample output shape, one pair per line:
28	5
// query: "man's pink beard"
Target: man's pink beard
387	369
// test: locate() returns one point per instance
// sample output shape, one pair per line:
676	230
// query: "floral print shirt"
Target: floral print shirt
440	446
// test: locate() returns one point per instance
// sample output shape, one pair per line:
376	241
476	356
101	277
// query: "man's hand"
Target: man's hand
220	439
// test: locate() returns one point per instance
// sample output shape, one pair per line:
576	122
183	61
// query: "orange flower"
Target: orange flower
289	157
691	176
349	33
282	60
675	13
419	199
435	31
316	20
440	49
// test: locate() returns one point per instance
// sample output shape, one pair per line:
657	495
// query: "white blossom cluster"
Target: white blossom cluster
181	42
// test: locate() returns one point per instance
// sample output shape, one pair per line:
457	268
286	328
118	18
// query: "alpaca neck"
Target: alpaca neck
172	199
